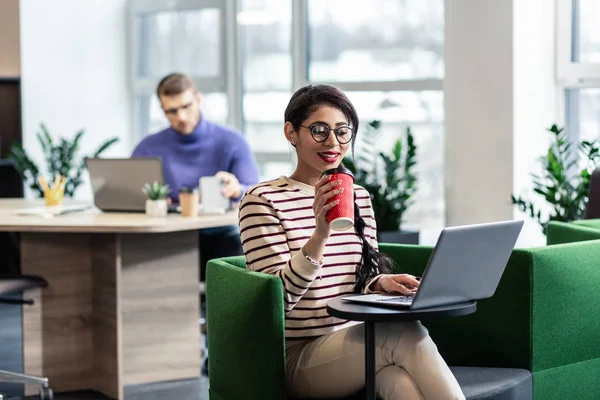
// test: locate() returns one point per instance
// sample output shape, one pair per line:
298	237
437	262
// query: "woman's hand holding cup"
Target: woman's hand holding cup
334	189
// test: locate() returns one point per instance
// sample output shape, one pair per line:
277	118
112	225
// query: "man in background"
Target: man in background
193	147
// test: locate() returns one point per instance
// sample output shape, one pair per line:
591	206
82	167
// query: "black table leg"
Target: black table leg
370	360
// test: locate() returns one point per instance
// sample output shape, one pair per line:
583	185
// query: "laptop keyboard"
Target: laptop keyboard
398	299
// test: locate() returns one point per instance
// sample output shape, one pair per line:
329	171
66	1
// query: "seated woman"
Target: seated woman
285	232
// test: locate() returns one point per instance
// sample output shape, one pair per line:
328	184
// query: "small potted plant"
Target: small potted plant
156	204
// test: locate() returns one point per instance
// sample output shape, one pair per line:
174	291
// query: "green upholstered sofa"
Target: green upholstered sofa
544	317
590	223
577	231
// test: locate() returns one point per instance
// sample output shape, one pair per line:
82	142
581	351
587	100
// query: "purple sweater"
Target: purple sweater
210	148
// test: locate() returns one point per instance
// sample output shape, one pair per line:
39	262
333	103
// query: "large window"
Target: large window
387	55
578	66
249	56
380	40
265	30
177	35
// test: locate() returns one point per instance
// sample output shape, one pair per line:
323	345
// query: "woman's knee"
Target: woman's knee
394	383
410	335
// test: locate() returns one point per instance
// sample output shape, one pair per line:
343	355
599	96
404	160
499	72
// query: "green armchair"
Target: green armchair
577	231
544	317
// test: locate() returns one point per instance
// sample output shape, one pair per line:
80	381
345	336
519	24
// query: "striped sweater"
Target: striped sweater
276	219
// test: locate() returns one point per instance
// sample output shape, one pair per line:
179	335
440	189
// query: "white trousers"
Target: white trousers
407	363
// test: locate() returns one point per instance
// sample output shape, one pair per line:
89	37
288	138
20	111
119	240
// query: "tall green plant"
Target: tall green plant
565	181
61	158
390	178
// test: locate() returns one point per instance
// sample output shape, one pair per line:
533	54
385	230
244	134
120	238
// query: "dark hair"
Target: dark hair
303	103
174	84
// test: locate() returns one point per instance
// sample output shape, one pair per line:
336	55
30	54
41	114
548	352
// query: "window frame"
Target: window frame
569	74
300	56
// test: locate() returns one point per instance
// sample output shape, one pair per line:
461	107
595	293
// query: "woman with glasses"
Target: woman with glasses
285	233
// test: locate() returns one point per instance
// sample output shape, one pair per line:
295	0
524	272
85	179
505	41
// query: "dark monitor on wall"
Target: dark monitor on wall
11	184
592	209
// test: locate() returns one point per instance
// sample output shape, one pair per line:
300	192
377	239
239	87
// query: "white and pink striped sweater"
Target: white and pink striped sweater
276	219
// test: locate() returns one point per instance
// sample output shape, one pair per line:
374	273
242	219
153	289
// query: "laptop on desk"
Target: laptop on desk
466	264
117	182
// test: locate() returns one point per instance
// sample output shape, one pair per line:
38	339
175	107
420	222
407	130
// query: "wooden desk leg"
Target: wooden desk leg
159	292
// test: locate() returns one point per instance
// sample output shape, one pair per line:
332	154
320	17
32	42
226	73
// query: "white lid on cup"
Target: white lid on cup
341	224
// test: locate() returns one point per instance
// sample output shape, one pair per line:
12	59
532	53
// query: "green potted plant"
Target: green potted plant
156	204
390	179
564	182
61	158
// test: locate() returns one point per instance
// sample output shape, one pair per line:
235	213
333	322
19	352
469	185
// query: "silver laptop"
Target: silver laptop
117	182
466	264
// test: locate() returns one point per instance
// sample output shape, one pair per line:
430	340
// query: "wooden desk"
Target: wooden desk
122	305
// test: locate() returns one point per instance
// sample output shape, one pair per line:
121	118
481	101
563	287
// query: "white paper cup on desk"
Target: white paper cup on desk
211	198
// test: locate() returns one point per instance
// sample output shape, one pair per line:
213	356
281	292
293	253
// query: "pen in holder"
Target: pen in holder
55	193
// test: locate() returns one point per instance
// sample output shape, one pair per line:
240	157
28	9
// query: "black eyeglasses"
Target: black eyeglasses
320	133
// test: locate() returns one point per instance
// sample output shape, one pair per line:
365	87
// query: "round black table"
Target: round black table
371	314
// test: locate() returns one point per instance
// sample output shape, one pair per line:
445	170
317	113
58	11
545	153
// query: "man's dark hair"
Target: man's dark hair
174	84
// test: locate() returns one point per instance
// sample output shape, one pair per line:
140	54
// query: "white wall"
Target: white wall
500	95
535	98
478	101
74	74
10	65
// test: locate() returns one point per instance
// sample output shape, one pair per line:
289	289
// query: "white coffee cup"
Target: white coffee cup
211	197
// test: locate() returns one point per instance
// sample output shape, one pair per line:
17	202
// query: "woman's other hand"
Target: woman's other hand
397	283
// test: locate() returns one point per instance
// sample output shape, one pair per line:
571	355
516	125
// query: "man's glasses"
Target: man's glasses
320	133
175	110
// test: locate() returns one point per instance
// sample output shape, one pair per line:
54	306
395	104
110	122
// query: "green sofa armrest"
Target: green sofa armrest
245	332
578	231
565	321
566	304
590	223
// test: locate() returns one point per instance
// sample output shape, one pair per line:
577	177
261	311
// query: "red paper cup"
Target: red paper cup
341	217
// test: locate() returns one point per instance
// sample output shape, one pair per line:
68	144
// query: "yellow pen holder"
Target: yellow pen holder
54	197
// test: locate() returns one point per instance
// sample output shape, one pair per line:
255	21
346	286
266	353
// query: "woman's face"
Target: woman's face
315	157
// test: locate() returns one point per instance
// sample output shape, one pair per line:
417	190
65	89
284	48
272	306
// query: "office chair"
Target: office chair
10	285
592	209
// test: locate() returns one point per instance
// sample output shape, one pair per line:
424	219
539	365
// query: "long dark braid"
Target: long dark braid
373	262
